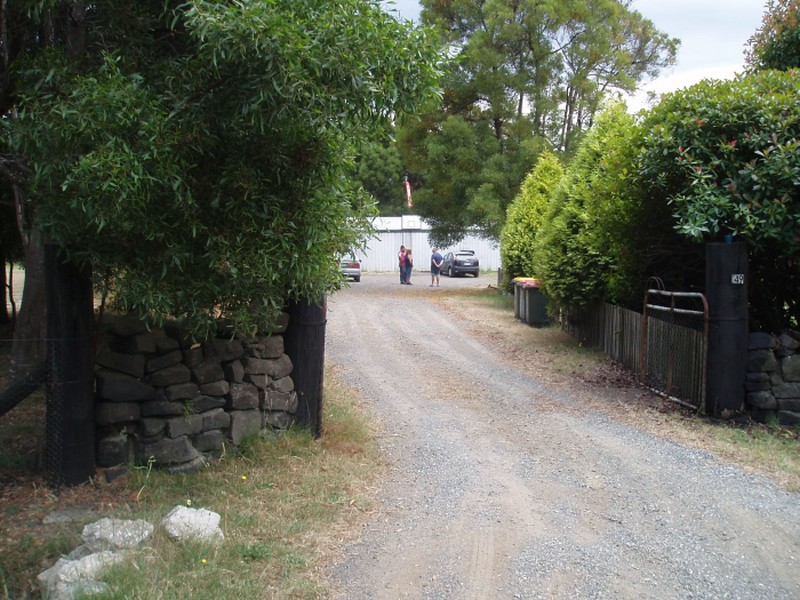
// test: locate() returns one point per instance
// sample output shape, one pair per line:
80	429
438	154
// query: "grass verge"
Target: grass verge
285	499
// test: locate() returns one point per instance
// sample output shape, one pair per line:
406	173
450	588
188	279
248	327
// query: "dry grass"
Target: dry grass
285	500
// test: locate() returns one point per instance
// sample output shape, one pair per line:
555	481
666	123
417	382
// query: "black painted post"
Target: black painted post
70	443
304	343
726	292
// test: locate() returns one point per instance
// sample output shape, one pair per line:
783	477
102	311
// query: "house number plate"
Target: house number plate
737	278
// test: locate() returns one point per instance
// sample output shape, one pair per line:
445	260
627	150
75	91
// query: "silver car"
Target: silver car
350	267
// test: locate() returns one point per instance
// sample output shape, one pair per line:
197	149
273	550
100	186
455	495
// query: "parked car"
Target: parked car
350	267
461	262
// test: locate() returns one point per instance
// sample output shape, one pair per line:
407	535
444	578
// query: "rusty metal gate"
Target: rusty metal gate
674	345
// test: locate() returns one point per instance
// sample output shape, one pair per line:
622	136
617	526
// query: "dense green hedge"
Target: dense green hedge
643	195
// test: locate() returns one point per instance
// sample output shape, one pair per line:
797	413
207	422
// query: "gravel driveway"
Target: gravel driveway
503	486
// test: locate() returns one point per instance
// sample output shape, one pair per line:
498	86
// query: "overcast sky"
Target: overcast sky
713	34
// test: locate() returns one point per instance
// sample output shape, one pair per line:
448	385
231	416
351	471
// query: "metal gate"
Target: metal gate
674	345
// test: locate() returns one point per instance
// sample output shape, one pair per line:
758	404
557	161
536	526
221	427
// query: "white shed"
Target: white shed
412	232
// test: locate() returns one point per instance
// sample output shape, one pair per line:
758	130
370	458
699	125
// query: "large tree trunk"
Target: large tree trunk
30	332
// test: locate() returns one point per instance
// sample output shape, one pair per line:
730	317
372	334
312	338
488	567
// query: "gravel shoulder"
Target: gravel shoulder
505	480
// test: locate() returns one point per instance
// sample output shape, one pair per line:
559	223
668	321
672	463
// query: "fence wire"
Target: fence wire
45	433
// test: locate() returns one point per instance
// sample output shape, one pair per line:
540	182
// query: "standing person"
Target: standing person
436	266
401	259
409	265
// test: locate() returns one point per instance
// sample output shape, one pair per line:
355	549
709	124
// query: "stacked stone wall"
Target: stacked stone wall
773	377
164	400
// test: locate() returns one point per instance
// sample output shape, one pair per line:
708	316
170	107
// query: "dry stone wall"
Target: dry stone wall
773	377
165	400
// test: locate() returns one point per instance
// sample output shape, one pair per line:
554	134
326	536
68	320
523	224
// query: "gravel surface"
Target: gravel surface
503	485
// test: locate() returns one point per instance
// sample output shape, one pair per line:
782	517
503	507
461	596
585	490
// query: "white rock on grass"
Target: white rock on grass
198	524
116	534
67	579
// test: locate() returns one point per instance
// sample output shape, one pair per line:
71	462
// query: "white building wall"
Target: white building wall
412	232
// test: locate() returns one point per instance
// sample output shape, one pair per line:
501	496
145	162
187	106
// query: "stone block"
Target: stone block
125	325
254	349
256	366
210	441
751	386
279	419
761	360
170	376
175	393
786	390
215	419
193	356
280	367
762	400
761	341
112	451
185	425
244	423
207	372
243	396
162	361
201	404
273	346
216	388
284	384
791	404
152	427
166	451
790	340
118	387
790	368
223	350
283	401
234	371
110	413
165	345
260	381
144	343
162	408
130	364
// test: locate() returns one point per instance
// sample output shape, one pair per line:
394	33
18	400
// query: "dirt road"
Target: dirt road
505	483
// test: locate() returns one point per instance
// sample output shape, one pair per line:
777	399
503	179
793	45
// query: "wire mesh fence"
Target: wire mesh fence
38	413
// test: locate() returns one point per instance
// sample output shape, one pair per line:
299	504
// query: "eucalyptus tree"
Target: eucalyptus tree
196	153
525	75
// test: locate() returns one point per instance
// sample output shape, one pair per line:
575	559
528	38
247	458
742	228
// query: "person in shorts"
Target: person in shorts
436	266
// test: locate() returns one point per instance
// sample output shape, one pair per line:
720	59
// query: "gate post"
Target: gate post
726	291
70	355
305	346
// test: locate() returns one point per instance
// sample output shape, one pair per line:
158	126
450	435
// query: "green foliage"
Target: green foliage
196	155
526	76
724	154
776	44
525	215
566	253
380	171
